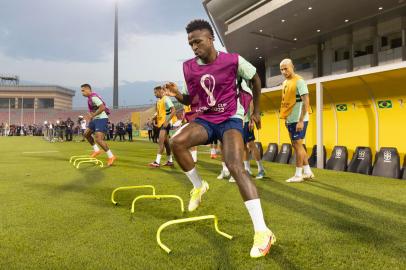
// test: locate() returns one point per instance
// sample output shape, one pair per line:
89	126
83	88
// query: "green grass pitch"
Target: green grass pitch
53	216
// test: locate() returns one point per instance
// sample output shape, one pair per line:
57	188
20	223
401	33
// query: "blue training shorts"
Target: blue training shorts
248	133
216	131
99	125
294	135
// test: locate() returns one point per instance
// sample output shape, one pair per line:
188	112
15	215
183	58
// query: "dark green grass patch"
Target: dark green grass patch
53	216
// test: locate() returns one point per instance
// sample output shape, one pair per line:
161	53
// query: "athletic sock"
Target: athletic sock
109	154
225	169
213	151
194	178
299	171
247	165
260	166
194	155
158	158
256	214
96	148
169	158
306	169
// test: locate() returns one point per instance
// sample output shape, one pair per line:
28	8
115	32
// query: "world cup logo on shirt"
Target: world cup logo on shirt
208	83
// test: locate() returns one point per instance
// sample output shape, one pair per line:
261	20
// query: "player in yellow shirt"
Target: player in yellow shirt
165	111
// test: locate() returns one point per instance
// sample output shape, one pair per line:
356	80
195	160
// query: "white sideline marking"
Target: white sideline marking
40	152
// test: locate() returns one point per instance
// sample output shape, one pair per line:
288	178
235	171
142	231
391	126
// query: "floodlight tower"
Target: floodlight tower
115	82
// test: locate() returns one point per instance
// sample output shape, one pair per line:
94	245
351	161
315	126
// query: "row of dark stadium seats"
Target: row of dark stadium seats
386	164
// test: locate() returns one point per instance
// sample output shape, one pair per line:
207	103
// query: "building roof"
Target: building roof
38	88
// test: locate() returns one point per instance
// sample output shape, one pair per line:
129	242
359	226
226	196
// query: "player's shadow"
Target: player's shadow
355	224
396	208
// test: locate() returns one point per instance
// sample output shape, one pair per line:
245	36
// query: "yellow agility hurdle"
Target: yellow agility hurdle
185	220
80	156
158	197
88	160
130	187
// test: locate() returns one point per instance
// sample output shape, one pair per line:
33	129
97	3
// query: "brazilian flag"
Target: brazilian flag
385	104
341	107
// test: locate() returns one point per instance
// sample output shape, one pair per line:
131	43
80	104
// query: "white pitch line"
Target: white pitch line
40	152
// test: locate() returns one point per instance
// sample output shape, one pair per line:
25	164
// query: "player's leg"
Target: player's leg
161	146
224	170
169	159
233	147
192	135
257	157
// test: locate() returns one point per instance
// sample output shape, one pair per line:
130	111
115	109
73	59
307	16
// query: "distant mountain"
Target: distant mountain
130	93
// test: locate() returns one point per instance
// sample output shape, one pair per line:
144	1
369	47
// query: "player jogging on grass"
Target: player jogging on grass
211	89
97	119
295	109
165	111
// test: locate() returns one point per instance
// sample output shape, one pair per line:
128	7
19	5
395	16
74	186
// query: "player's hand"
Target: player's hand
165	124
256	118
89	117
171	89
299	126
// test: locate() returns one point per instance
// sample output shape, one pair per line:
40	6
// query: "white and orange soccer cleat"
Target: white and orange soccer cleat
262	243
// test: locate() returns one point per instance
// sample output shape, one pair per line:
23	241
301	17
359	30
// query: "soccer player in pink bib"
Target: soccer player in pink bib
212	92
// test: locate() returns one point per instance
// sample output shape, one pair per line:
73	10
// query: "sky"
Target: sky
69	42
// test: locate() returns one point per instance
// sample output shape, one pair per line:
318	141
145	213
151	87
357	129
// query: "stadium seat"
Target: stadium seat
387	163
338	160
361	161
271	152
285	154
313	157
292	159
261	150
404	169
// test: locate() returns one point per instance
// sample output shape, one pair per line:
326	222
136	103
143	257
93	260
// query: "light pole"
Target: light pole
115	83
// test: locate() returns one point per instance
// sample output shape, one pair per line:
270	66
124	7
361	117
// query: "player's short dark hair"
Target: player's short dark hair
157	88
86	85
199	24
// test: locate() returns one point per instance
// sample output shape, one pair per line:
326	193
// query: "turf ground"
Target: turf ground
54	216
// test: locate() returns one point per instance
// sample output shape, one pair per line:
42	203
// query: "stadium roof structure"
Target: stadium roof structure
39	88
270	27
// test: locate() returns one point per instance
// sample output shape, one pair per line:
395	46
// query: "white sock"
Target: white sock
247	165
109	154
169	158
257	217
194	155
96	148
306	169
158	158
298	171
194	178
260	166
225	169
213	151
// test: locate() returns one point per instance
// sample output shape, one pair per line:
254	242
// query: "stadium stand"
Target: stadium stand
285	154
339	159
271	152
387	163
313	157
292	159
361	161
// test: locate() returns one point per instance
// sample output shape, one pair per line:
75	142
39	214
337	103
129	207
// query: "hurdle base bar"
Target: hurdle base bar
89	160
185	220
158	197
128	188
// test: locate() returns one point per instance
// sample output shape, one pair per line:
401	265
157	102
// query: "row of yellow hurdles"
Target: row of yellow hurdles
155	196
76	161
